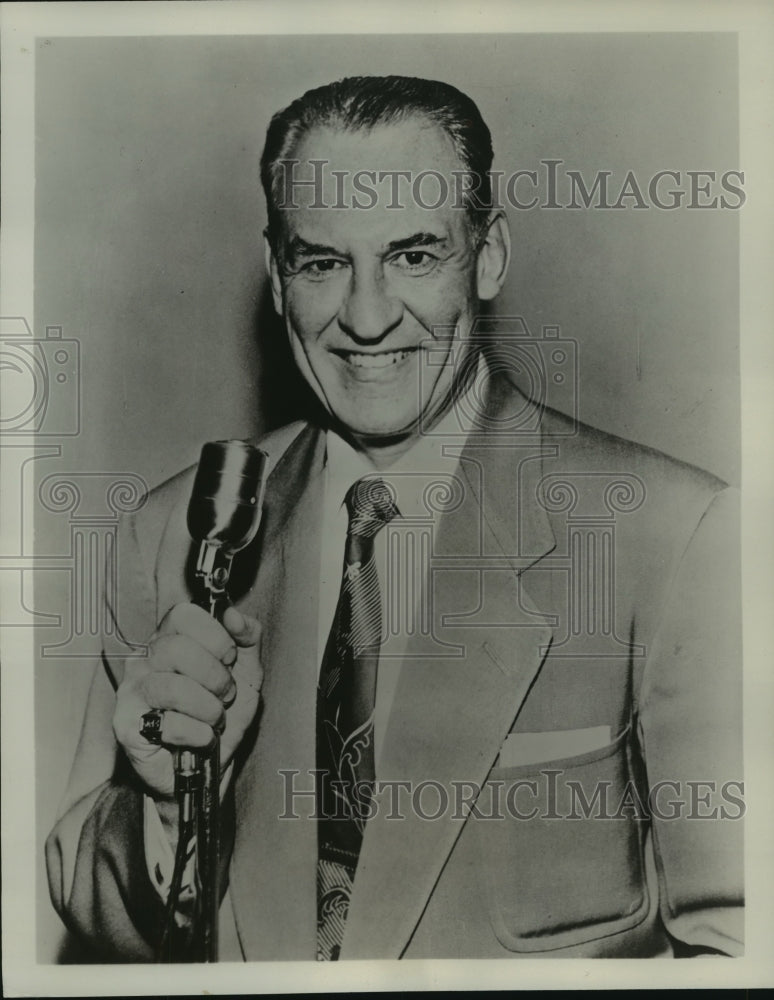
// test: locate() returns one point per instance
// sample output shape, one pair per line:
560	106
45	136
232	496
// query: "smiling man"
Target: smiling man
496	710
365	289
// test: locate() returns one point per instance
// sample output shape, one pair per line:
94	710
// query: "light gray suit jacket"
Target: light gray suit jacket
581	581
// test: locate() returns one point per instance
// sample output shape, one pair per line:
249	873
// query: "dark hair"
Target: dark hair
362	102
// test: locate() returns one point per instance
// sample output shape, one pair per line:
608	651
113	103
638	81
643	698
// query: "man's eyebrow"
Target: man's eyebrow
299	247
417	240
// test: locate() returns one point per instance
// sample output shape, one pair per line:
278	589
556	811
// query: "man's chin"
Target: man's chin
377	435
380	435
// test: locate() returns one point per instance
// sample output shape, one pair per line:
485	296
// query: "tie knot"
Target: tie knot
370	505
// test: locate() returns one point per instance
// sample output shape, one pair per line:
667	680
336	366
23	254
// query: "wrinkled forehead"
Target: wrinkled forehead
414	143
406	174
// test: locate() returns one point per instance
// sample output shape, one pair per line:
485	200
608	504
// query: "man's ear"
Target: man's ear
494	255
272	269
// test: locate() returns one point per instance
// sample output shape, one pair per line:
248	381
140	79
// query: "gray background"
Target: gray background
148	251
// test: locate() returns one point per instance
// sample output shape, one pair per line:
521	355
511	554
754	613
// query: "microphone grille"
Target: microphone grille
226	493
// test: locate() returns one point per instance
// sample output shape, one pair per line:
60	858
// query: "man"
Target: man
529	660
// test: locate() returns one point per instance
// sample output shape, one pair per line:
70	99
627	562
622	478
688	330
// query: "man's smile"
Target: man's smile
374	360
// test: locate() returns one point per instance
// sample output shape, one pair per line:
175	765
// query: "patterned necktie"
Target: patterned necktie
345	713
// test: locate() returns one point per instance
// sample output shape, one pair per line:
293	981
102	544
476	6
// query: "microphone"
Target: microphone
223	518
223	515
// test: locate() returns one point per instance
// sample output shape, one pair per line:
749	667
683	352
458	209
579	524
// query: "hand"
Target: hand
206	676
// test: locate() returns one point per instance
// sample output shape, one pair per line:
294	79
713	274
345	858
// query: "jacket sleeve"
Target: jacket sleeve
690	729
96	859
97	873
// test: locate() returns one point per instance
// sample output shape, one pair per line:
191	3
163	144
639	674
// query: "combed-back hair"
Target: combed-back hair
359	103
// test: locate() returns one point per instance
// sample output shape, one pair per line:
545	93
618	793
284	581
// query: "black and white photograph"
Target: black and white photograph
384	488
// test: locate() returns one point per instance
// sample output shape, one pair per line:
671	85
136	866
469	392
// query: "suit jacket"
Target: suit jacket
576	581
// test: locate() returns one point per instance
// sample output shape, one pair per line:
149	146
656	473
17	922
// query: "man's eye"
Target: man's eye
415	261
321	268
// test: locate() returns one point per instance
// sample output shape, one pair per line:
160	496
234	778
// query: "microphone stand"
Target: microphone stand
197	776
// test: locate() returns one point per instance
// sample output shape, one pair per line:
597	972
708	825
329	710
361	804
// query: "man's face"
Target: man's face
369	295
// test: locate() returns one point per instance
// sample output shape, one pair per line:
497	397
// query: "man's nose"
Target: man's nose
368	313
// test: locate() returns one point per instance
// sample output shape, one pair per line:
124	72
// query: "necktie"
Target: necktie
345	713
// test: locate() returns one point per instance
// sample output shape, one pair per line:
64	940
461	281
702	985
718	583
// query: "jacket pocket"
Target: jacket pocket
561	845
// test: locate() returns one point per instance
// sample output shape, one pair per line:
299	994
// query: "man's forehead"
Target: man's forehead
376	230
414	143
376	186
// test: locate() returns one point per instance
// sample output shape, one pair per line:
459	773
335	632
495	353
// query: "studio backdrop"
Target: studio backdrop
619	173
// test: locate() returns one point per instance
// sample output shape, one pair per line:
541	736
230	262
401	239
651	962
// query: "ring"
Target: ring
151	726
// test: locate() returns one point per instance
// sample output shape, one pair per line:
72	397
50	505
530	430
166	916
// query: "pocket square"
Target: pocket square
531	748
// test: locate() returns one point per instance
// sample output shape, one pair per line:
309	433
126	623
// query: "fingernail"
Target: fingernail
238	616
230	657
230	696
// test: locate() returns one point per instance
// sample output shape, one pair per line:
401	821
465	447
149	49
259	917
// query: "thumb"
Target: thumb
244	630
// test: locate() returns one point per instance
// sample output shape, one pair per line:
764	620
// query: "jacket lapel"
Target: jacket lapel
272	880
450	715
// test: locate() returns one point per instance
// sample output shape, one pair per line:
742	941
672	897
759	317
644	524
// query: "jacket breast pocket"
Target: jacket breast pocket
561	845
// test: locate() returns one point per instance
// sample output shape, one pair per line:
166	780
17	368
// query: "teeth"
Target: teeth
383	360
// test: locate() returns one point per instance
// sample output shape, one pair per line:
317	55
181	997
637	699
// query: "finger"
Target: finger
190	620
244	630
178	730
183	655
127	718
184	695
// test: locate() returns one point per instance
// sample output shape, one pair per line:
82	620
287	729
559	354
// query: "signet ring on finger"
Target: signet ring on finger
152	722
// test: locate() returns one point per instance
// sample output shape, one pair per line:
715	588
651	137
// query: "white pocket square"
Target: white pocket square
531	748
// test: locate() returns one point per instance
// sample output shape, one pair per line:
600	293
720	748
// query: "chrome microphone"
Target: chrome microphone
223	517
223	514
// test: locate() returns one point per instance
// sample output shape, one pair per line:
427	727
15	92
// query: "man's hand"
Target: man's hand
204	675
